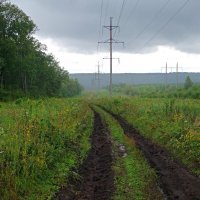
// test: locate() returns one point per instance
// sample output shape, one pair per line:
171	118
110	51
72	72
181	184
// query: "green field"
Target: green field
40	142
43	142
174	124
58	142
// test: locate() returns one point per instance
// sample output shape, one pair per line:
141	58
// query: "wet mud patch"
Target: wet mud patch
175	180
96	176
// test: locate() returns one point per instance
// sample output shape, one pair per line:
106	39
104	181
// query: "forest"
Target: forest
26	69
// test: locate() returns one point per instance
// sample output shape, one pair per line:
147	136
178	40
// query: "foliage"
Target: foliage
24	64
158	91
188	83
41	144
71	88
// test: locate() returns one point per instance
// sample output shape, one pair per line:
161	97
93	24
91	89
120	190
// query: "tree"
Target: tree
70	88
188	83
15	40
24	64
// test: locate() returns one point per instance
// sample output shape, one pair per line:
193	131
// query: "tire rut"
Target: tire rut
97	177
174	179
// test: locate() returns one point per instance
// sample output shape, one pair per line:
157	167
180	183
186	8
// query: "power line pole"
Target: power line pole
177	75
96	79
110	88
166	76
111	41
177	68
98	76
166	71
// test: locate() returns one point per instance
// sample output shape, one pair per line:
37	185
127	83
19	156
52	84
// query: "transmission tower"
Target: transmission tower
167	70
110	41
97	76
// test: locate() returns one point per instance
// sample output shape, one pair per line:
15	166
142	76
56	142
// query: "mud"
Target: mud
176	181
97	177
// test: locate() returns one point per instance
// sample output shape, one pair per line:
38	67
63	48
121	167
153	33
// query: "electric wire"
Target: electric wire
120	13
100	23
100	27
166	23
114	4
152	20
106	11
132	11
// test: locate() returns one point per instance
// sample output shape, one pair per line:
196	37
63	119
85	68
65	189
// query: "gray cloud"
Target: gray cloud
75	23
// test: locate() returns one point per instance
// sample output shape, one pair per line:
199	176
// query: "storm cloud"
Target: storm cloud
144	24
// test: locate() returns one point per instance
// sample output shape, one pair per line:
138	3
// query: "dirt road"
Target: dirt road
97	178
176	181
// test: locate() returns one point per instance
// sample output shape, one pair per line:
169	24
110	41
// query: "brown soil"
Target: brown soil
97	177
175	179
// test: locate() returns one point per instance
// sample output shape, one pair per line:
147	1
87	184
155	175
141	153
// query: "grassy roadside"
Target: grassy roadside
42	142
134	179
173	124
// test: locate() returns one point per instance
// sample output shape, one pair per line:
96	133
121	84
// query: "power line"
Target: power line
132	11
100	22
114	3
97	76
120	13
167	22
106	11
153	19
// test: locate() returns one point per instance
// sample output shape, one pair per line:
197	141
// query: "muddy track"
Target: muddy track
97	177
174	179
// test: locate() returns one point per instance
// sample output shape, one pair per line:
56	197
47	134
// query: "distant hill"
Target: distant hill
87	80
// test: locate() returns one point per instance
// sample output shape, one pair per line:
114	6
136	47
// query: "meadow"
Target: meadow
42	143
171	123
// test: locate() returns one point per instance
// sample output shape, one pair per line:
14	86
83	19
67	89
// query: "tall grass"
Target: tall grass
174	124
134	178
41	143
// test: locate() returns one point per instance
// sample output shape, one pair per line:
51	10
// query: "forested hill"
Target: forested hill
26	69
87	80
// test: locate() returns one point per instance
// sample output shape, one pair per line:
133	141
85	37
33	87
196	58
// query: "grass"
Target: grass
134	179
41	143
173	124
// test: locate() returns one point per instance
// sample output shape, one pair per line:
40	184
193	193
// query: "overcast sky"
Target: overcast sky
154	32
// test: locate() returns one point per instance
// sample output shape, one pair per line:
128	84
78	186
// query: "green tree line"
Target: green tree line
25	67
186	90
